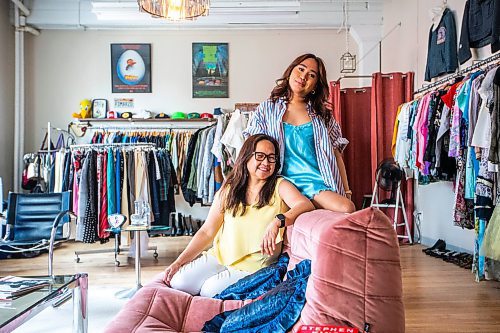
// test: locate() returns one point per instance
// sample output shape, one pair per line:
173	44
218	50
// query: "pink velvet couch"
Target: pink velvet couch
355	280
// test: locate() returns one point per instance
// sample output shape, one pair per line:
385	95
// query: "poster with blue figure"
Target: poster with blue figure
131	68
210	70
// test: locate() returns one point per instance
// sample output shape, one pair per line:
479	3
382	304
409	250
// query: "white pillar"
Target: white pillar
368	59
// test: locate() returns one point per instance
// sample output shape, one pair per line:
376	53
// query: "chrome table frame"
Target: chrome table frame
79	286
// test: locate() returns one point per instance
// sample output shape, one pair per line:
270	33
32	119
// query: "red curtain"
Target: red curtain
352	112
367	121
388	92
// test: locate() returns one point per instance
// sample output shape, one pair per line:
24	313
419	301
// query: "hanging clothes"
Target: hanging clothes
442	47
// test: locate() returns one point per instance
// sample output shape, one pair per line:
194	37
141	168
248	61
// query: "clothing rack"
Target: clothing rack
117	249
469	69
110	145
364	76
49	129
354	77
142	128
168	124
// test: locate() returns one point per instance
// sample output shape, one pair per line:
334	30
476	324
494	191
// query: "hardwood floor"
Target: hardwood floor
438	296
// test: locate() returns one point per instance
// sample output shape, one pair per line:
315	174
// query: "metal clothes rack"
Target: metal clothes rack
117	249
110	145
469	69
353	77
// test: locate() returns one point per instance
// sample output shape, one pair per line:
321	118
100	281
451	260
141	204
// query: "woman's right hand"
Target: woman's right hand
170	271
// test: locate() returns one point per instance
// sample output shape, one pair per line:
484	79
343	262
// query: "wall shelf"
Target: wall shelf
133	120
140	124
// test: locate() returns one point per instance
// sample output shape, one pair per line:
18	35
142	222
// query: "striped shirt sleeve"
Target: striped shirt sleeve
335	134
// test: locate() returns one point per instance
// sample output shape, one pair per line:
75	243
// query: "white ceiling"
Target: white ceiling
240	14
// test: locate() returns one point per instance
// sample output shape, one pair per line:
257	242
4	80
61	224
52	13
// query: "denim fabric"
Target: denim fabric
479	27
257	283
276	311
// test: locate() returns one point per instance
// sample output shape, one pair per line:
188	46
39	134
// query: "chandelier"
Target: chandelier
175	9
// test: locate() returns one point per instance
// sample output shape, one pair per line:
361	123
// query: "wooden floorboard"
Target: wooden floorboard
438	296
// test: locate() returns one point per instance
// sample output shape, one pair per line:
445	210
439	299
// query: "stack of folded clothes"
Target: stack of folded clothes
438	250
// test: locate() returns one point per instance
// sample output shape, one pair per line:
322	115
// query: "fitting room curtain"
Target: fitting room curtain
367	121
388	92
351	109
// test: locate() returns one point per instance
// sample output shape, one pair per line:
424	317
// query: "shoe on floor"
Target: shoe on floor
439	245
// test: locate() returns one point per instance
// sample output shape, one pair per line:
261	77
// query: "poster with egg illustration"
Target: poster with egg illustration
131	68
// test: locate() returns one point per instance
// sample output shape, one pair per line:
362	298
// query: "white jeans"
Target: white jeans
205	276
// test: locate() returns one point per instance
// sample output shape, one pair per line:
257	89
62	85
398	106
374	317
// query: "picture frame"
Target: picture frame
131	68
210	70
99	108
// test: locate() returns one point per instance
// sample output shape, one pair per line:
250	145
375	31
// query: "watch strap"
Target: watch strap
282	219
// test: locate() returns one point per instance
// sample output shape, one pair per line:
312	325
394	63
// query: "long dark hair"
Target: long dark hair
319	100
234	189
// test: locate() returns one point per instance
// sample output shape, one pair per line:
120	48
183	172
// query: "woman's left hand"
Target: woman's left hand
268	245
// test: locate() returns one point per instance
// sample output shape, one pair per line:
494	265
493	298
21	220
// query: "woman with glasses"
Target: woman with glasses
245	223
298	117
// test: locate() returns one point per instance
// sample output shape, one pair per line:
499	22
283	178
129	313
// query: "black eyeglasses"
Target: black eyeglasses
271	158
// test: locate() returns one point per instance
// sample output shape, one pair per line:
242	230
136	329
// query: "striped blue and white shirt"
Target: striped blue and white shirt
267	119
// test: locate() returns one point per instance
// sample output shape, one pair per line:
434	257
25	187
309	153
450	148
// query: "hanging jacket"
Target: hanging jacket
480	27
442	47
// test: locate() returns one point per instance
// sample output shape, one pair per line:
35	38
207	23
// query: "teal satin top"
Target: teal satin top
300	165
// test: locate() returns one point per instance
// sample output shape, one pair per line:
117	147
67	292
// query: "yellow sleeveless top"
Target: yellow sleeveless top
237	243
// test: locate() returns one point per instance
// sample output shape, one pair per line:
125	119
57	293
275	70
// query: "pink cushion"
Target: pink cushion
355	279
158	308
356	273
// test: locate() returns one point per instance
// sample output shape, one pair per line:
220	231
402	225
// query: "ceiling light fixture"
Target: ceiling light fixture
175	10
347	61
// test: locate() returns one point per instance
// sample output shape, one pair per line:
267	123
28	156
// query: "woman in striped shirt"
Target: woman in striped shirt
311	142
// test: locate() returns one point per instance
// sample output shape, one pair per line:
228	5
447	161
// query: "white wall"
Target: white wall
6	98
64	67
406	50
434	202
406	47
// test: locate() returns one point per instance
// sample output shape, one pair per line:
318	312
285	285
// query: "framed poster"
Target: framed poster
131	68
99	108
210	70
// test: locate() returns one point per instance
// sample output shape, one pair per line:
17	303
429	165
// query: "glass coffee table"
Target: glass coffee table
18	311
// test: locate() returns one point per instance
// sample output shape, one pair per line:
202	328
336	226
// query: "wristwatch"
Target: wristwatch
282	219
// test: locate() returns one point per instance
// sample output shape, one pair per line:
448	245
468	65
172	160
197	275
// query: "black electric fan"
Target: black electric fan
388	178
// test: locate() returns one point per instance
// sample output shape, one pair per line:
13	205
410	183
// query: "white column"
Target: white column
368	59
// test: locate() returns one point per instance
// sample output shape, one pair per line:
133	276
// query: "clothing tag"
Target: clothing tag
367	327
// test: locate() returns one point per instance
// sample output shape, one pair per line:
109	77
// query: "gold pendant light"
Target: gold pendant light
175	10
